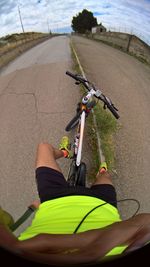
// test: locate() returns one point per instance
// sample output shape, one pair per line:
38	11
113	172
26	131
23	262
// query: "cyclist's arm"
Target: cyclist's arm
59	242
89	246
7	239
94	244
46	242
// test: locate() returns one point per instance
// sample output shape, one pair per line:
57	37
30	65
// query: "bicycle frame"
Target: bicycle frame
80	131
77	172
80	141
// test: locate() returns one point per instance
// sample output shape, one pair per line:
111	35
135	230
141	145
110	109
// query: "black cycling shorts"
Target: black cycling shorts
51	184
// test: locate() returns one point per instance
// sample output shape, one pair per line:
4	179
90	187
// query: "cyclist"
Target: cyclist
52	231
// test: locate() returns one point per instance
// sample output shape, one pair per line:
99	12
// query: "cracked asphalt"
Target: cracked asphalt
37	100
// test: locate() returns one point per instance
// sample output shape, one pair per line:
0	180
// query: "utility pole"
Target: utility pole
20	18
48	26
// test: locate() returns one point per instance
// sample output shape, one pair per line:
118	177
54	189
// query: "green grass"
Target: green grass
107	126
92	142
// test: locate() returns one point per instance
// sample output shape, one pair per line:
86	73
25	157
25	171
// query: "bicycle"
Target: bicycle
77	171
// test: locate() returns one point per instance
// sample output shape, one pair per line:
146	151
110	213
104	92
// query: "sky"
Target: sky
132	16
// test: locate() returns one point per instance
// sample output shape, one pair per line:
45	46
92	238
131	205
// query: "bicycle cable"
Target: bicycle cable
121	200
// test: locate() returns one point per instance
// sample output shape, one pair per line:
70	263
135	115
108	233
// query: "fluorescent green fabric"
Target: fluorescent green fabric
62	216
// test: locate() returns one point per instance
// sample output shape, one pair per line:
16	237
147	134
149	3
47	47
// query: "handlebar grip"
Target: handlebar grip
113	111
72	75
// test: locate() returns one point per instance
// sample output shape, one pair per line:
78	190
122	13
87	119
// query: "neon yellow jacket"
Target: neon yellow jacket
62	216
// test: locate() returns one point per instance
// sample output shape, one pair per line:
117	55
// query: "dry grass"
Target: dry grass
16	40
13	45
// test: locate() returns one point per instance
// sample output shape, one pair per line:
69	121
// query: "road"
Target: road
37	100
126	81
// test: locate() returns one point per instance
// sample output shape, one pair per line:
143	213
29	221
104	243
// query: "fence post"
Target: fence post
129	41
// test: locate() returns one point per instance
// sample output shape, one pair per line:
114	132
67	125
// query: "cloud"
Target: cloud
6	6
107	6
100	13
129	15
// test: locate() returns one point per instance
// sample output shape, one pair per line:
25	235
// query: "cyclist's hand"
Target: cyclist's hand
35	204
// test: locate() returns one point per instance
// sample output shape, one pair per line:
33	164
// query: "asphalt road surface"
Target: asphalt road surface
126	81
37	100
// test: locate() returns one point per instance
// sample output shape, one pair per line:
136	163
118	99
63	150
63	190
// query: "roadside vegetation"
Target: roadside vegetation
10	42
83	21
13	45
106	127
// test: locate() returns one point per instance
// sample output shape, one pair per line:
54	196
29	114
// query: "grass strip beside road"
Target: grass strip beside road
106	126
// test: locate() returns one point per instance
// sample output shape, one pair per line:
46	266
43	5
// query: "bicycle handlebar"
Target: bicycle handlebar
111	107
74	76
78	78
107	102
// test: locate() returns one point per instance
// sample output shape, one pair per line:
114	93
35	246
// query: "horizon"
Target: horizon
126	16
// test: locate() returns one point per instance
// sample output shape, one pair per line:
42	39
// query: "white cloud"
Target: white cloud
131	15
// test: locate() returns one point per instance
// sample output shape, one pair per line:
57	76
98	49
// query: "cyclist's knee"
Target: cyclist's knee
103	178
105	175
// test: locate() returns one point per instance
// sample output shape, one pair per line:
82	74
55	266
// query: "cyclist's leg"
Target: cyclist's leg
103	178
50	180
47	155
103	187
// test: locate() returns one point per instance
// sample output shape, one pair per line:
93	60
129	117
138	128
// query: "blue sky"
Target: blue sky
131	16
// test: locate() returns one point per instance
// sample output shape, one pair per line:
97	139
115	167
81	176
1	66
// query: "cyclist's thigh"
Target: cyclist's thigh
50	183
45	157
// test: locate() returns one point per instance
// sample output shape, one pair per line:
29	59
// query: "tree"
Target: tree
84	21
